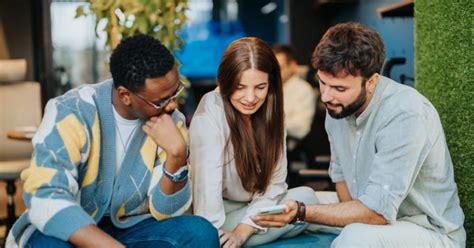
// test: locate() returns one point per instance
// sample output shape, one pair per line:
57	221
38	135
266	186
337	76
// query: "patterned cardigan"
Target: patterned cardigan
70	182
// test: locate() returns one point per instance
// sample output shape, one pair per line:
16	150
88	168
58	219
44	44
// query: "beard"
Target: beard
351	108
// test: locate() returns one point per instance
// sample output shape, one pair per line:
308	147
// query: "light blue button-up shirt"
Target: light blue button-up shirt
395	160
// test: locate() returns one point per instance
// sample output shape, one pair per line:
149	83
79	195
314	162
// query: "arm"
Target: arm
272	195
51	182
343	192
92	236
338	214
167	135
342	214
207	160
166	197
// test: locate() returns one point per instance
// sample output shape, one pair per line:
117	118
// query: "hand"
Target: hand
164	132
277	220
230	239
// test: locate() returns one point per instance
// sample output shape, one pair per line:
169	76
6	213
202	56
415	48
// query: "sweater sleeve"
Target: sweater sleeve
51	182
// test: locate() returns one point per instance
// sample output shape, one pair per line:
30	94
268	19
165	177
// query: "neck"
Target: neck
120	107
366	103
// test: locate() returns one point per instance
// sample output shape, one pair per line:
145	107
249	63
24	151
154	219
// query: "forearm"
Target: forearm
343	192
244	231
342	214
173	163
92	236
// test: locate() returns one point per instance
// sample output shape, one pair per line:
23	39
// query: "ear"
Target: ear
372	82
124	95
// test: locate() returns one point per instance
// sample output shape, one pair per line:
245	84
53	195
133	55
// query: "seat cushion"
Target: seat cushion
11	169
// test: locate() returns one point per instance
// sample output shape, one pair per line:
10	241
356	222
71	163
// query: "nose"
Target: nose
326	94
249	96
171	106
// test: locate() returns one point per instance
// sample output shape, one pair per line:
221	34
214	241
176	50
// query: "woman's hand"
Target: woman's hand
237	237
230	239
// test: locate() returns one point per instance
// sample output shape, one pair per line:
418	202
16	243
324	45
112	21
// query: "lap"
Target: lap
398	234
235	212
181	231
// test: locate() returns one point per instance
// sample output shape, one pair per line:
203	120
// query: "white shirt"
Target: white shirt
299	104
124	130
214	174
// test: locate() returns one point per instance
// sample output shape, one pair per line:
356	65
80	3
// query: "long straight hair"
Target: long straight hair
255	157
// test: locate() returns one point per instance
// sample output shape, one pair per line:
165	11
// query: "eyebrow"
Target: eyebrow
332	86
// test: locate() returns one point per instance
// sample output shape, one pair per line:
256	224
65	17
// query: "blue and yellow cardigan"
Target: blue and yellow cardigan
71	181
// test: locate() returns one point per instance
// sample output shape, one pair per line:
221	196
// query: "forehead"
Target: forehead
341	79
161	87
253	77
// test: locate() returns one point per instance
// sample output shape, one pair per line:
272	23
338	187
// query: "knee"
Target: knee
304	194
38	239
201	232
353	235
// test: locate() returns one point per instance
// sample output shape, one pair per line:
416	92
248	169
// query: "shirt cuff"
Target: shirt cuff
66	222
248	221
381	200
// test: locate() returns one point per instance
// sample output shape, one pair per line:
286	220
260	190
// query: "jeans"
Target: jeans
182	231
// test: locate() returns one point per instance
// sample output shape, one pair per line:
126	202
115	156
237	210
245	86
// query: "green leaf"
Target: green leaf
80	12
142	24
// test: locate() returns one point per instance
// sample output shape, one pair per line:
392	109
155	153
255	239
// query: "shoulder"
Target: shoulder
210	111
211	105
398	99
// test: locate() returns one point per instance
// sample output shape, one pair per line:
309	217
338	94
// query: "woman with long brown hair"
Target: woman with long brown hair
237	143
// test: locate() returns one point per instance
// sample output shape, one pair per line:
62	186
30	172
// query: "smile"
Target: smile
249	106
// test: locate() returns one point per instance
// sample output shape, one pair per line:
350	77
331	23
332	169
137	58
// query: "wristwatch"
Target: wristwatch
300	216
179	176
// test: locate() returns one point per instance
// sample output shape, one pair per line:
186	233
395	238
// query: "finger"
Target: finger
229	244
271	223
224	238
146	129
220	232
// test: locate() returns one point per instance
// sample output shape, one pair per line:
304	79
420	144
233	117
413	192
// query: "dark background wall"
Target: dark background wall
310	20
445	75
27	30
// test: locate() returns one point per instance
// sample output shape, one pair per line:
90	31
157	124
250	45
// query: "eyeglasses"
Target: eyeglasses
163	102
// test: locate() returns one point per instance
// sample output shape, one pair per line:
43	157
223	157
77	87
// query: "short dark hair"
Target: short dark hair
349	48
138	58
285	49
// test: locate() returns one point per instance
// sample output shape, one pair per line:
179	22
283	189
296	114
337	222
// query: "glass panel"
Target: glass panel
79	57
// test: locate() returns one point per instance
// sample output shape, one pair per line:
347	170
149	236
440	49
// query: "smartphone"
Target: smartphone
272	210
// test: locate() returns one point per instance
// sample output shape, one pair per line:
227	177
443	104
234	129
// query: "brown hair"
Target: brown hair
349	48
255	161
284	49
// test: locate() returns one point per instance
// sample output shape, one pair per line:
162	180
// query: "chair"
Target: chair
20	105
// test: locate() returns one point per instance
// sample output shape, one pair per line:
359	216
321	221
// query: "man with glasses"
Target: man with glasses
389	158
109	167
